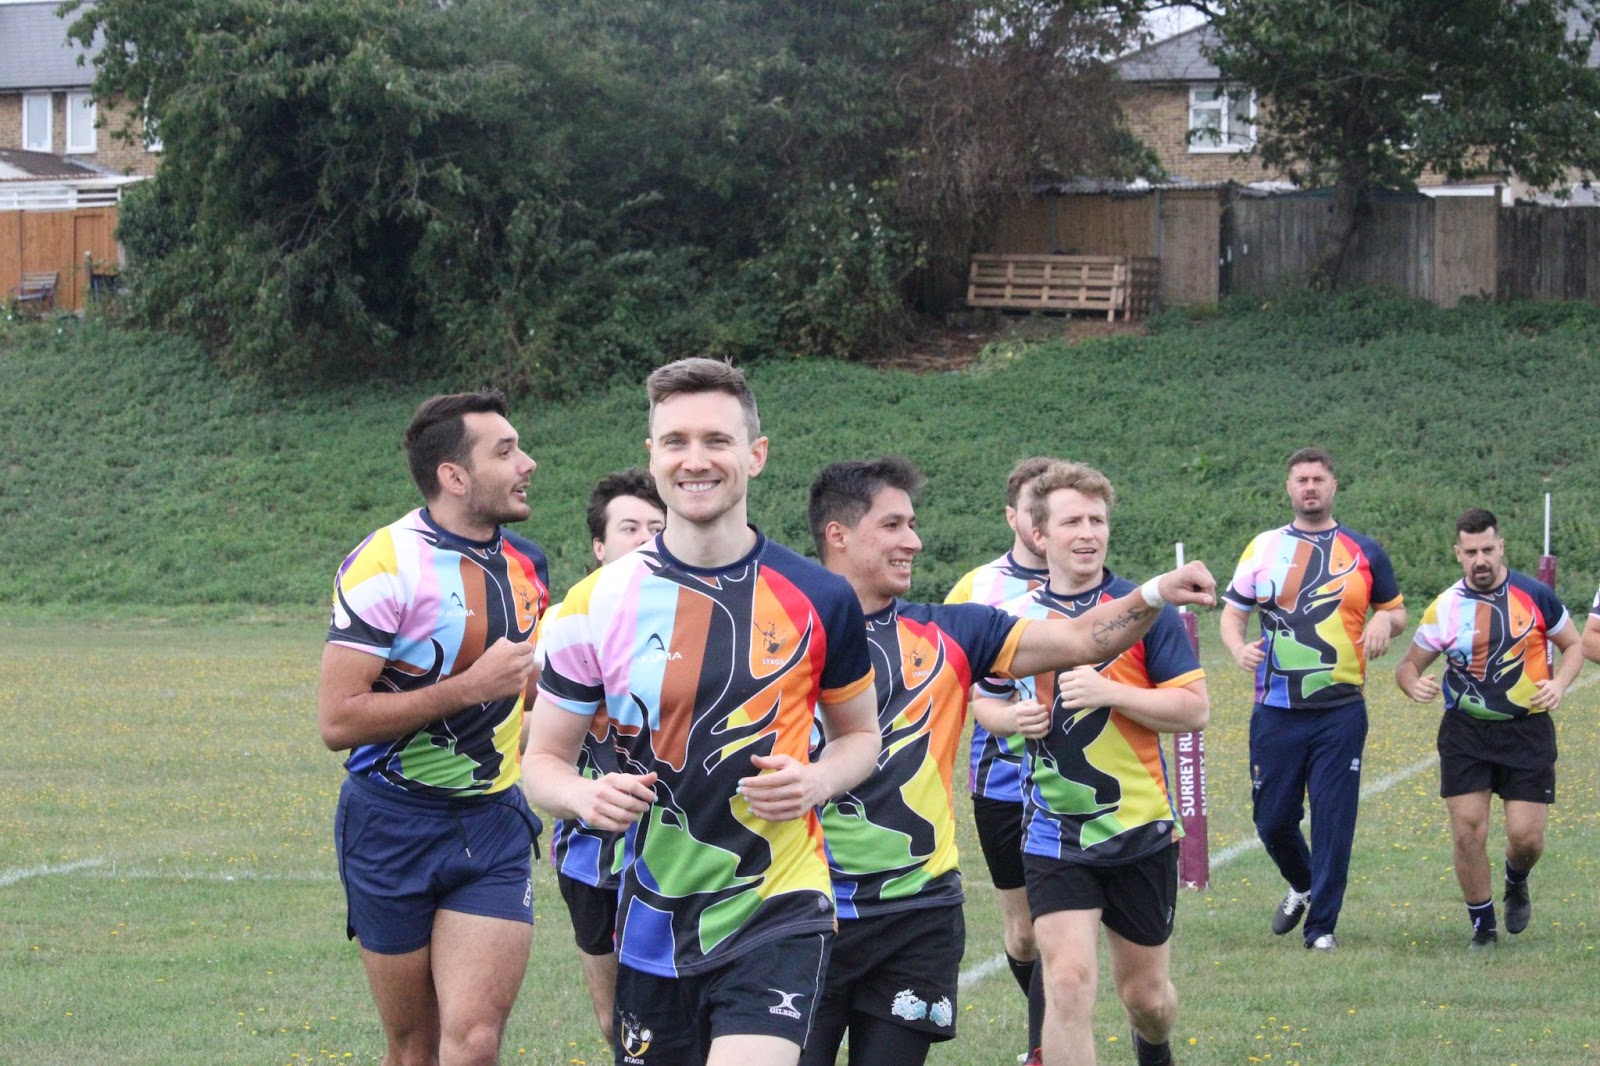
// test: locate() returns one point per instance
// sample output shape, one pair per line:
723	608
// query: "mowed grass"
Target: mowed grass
168	890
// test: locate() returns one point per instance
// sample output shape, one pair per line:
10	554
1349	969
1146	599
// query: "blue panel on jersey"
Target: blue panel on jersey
648	929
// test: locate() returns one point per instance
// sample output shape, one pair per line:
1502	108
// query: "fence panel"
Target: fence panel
62	241
1191	237
1549	253
1279	240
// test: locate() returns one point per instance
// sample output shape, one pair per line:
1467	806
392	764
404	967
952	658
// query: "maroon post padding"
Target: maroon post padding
1194	850
1547	570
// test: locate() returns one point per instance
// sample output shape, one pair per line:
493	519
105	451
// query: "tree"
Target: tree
561	192
1371	94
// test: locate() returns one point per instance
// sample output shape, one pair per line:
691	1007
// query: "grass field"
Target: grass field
167	886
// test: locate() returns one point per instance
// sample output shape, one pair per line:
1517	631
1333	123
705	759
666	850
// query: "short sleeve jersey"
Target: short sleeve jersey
1313	591
891	840
577	849
996	762
1496	645
697	670
1096	791
430	603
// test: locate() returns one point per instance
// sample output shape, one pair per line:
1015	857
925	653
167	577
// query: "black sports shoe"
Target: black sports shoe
1287	915
1518	907
1484	939
1149	1054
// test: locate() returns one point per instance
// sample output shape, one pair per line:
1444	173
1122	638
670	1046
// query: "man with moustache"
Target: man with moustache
1314	582
1494	627
427	656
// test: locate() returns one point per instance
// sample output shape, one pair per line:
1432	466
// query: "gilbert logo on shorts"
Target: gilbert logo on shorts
785	1005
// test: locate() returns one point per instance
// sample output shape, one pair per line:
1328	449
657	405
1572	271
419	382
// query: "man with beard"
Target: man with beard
423	674
1099	828
1314	582
711	650
891	844
1494	628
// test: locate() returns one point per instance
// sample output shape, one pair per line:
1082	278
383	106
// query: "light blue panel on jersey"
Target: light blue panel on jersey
649	656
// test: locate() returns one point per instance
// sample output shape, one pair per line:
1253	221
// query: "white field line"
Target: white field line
110	871
12	876
972	975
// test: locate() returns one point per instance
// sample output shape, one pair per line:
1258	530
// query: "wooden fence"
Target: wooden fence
1178	227
62	241
1224	239
1439	249
1550	253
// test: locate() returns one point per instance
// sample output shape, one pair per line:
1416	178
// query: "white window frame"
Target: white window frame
152	134
1222	103
81	104
31	140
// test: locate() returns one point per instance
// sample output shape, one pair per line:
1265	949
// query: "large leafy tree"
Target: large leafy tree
1362	95
563	190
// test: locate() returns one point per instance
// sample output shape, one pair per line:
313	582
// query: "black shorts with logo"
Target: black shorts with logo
771	990
901	967
1514	759
1136	900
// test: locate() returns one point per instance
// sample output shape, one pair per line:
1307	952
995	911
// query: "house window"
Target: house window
80	122
36	131
1221	122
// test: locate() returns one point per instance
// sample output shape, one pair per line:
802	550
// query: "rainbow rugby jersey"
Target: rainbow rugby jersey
1096	791
697	670
996	770
577	849
891	840
1313	590
1497	645
430	602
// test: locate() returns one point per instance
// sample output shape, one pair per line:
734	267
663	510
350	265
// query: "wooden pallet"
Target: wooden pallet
1108	283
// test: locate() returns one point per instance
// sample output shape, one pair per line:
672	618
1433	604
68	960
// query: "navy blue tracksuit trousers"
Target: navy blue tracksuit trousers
1317	752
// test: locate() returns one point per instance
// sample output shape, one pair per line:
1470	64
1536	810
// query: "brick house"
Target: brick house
1173	90
45	102
1203	133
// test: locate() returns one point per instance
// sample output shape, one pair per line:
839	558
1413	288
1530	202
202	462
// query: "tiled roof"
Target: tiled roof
17	165
35	52
1181	58
1178	58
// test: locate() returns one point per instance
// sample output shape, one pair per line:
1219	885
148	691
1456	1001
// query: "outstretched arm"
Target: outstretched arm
1111	628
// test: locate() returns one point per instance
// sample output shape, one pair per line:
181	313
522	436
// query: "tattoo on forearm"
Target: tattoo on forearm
1103	632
